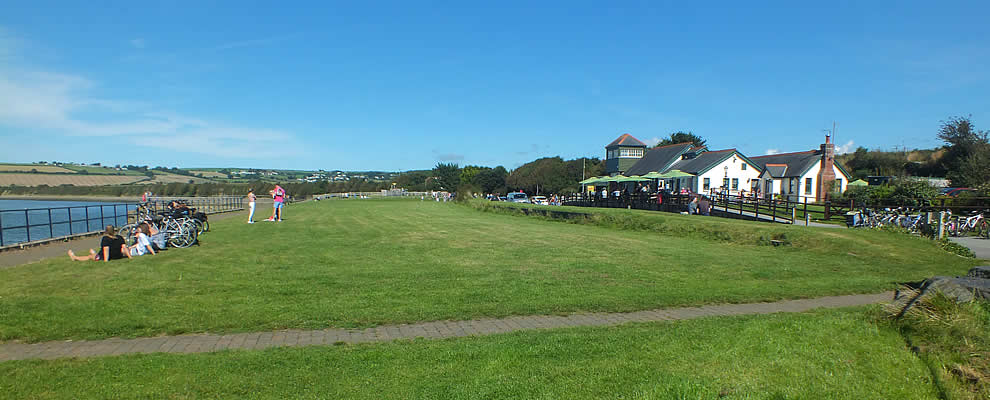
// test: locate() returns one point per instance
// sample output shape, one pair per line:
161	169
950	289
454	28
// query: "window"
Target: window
725	183
708	184
838	186
735	183
743	166
631	153
807	186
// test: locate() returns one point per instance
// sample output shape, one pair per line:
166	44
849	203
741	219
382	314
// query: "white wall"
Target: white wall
779	185
718	173
813	174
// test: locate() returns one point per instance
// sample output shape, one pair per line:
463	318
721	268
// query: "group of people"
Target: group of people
700	205
113	247
278	204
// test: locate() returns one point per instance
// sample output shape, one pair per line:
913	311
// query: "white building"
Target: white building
805	176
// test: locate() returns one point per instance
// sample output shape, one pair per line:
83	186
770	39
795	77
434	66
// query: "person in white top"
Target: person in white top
143	245
251	199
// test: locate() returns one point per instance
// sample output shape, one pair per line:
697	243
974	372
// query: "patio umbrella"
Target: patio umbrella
858	182
675	173
633	179
589	180
653	175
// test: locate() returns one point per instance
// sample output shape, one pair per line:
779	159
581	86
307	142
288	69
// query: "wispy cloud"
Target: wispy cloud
450	157
652	142
253	42
138	43
771	152
63	104
846	148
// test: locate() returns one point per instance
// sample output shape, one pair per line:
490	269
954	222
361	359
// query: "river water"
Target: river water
55	218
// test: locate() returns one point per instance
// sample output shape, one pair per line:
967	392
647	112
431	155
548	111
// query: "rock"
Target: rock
963	289
979	272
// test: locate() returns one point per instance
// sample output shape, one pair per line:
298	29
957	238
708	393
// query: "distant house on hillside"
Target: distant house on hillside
804	175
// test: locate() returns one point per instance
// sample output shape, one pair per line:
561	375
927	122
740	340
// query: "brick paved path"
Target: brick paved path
201	343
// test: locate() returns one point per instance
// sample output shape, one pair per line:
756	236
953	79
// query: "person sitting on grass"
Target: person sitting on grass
143	244
112	247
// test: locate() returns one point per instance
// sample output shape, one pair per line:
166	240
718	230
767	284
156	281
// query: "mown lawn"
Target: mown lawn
358	263
836	354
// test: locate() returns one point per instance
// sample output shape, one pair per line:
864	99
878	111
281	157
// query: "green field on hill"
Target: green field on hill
360	263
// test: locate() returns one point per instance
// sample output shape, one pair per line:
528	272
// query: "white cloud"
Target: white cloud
771	152
61	104
846	148
137	43
652	142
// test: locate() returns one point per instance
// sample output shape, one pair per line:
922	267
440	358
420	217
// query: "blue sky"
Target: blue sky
396	86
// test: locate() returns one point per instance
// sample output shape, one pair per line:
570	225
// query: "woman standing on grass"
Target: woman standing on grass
251	199
112	247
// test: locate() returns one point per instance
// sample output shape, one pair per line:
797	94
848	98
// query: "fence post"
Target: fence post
793	214
941	224
807	219
27	225
51	227
1	228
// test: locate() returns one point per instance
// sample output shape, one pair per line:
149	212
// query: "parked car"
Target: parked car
517	197
541	200
953	192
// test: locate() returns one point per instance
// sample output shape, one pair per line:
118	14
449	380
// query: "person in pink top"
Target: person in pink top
278	194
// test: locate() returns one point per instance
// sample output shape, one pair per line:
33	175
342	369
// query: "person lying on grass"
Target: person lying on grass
143	244
112	247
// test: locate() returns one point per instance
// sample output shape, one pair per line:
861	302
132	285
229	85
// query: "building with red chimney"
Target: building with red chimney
810	176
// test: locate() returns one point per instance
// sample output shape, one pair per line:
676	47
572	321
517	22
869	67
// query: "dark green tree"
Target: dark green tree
683	137
446	176
966	158
492	180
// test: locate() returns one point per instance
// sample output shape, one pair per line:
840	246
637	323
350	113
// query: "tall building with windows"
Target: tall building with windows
622	153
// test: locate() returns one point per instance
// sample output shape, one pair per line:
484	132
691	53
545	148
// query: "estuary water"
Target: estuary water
23	220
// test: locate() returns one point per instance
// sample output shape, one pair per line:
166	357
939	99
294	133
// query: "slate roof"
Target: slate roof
626	140
796	163
776	170
658	158
703	161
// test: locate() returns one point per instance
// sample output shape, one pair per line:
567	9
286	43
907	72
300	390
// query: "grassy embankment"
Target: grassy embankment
364	263
827	354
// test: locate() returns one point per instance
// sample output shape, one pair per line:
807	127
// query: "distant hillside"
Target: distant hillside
918	162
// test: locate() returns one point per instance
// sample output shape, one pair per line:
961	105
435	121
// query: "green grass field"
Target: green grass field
357	263
837	354
361	263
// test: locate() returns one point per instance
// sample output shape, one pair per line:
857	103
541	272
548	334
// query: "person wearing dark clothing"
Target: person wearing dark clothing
112	247
704	206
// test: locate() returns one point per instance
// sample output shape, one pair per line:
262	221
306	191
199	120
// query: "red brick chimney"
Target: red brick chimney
826	174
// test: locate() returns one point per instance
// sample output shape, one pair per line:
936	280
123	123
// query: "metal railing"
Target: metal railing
18	227
723	206
33	224
209	205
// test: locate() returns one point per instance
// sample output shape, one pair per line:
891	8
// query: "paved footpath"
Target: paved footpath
203	343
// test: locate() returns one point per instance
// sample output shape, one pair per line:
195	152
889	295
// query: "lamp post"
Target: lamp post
725	182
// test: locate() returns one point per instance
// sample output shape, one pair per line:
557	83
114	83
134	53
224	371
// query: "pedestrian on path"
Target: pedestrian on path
251	200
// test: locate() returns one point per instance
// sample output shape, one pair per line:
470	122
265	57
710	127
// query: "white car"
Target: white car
542	200
517	197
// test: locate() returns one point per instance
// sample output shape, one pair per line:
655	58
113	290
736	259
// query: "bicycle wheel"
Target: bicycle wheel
174	233
129	233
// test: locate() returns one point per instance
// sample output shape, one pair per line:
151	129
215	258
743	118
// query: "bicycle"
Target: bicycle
974	223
